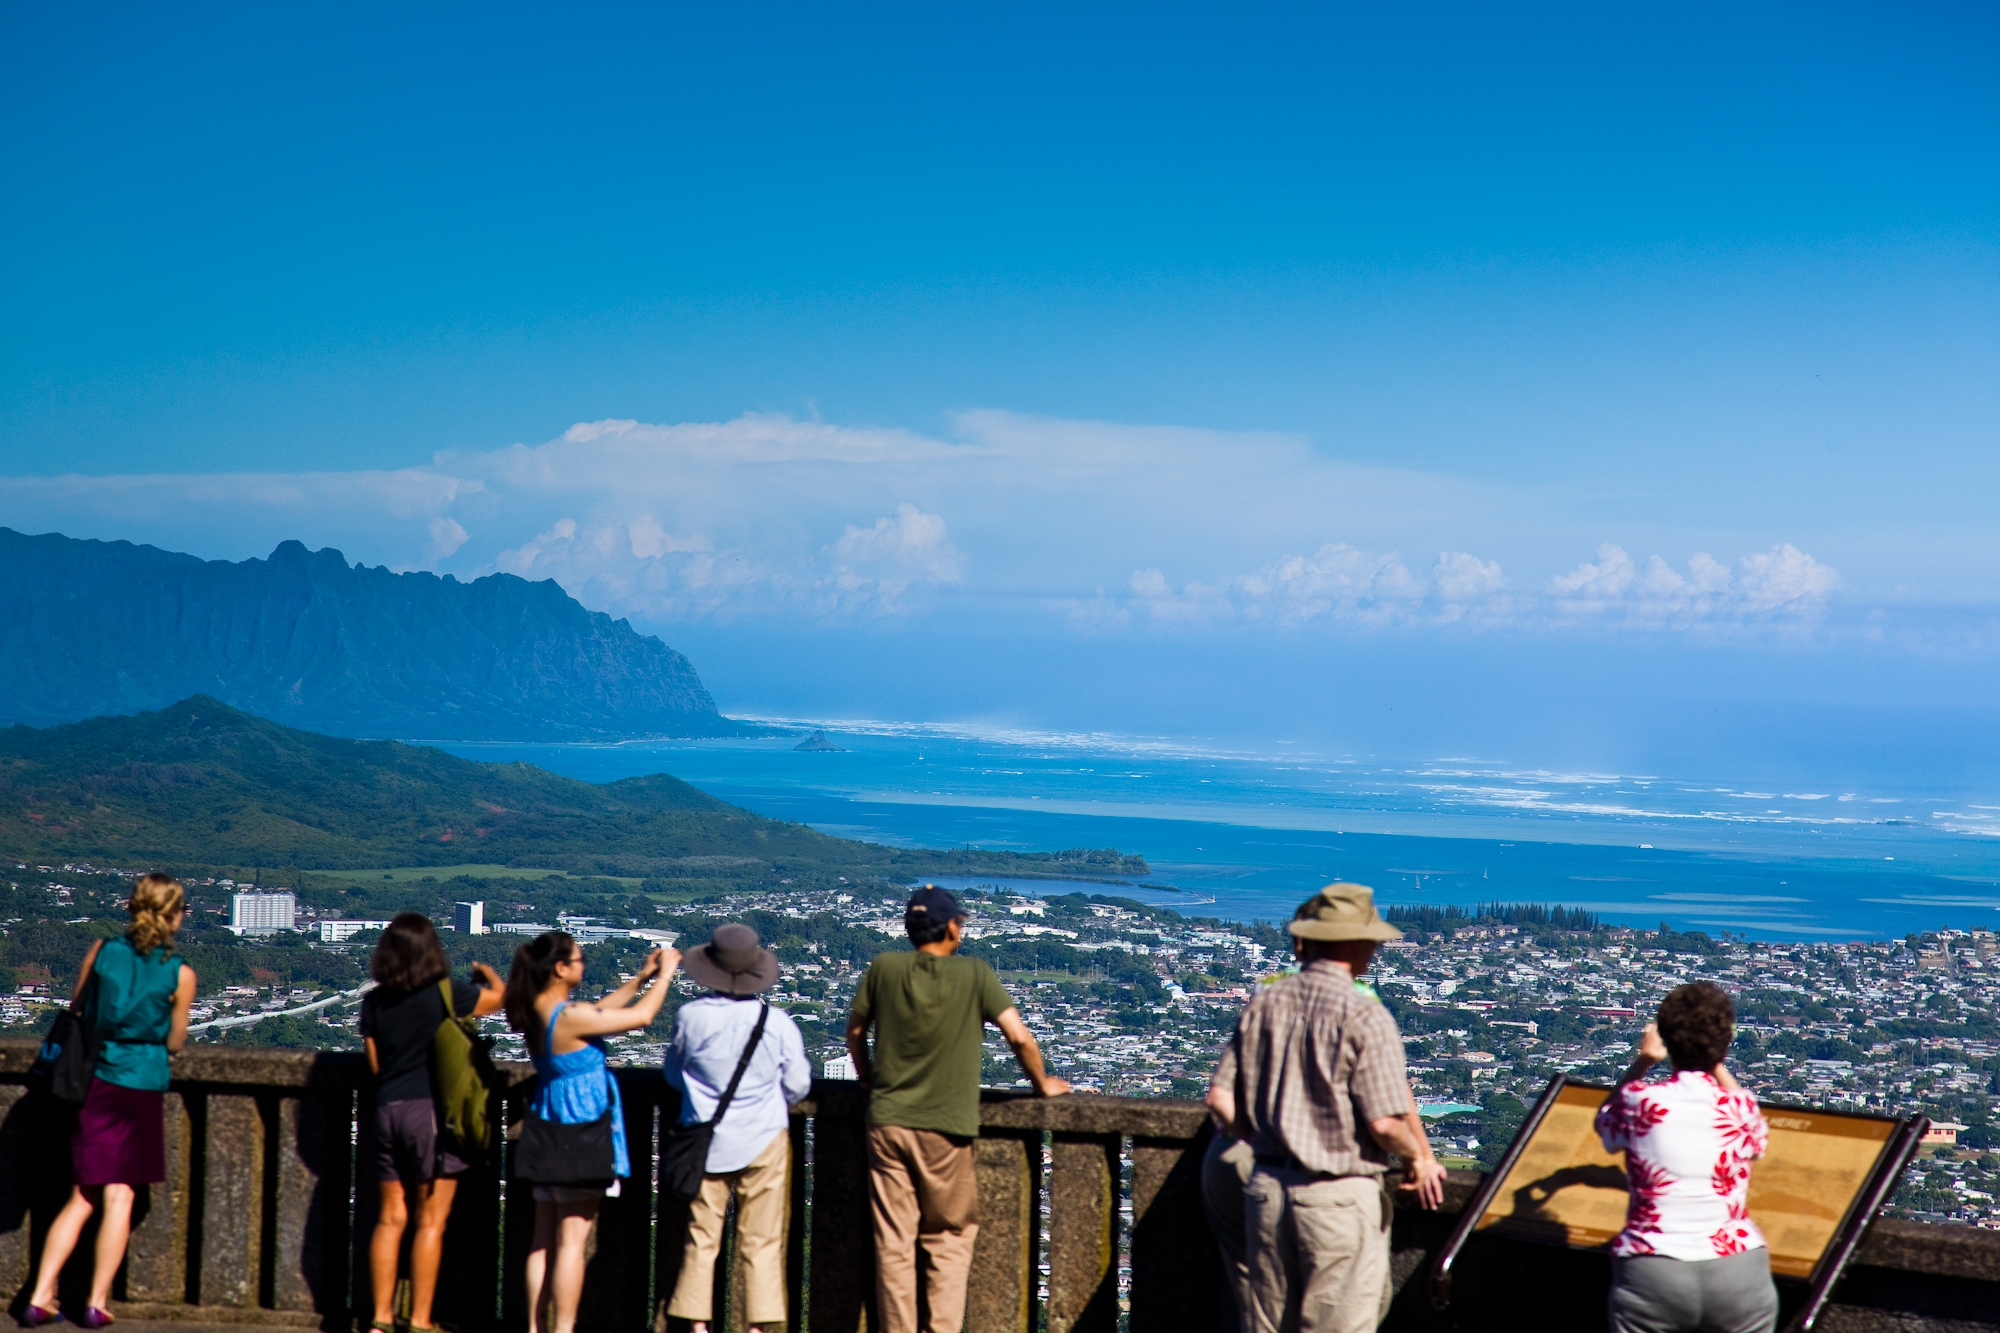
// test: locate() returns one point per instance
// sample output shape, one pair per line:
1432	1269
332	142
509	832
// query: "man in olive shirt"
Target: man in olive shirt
929	1010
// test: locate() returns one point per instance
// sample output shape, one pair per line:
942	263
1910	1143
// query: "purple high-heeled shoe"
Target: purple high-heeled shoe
34	1316
93	1317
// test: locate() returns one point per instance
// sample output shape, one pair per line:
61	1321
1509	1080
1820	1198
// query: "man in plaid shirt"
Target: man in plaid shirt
1313	1079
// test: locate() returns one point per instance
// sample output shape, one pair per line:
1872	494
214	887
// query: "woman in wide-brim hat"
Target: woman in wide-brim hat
749	1155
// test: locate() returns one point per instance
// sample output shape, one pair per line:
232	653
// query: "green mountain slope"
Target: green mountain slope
202	784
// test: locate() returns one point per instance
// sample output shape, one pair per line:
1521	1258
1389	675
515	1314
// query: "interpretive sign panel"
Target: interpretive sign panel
1565	1189
1813	1193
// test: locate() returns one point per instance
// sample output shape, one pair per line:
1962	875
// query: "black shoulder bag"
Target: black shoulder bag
684	1159
68	1058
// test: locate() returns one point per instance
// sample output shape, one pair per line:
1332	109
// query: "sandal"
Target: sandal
34	1316
92	1317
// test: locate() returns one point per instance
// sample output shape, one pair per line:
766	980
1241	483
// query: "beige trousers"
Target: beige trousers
1318	1252
760	1238
926	1199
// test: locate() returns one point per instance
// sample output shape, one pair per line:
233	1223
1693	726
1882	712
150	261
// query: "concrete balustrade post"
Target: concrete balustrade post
315	1172
1083	1248
1176	1270
1001	1298
470	1275
518	1215
616	1283
841	1274
156	1262
23	1147
795	1230
232	1203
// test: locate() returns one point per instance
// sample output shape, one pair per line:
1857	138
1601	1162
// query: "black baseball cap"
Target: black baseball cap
935	903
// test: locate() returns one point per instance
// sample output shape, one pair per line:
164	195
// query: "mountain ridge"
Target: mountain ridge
89	628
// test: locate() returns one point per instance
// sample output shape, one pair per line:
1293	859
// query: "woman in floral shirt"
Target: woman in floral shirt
1689	1257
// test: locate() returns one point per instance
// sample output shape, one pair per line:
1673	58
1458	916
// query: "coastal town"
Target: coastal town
1135	999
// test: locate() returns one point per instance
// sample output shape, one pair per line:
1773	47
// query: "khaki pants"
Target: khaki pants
926	1198
760	1238
1318	1252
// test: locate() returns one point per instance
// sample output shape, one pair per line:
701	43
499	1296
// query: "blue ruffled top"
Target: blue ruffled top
576	1088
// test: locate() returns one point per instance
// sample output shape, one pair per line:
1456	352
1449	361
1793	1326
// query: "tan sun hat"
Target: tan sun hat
1341	912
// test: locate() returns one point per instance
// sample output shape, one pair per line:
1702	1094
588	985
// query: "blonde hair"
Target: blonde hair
155	899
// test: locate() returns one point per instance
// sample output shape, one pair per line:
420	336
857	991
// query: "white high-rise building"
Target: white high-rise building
262	913
839	1066
469	918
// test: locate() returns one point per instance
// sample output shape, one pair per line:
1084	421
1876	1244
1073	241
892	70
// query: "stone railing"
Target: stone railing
1089	1211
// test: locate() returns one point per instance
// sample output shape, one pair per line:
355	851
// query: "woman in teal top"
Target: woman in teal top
140	1006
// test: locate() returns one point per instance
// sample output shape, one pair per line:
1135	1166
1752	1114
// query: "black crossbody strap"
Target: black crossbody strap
729	1093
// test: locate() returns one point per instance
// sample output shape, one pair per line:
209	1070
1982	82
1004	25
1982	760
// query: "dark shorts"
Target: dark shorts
121	1136
406	1143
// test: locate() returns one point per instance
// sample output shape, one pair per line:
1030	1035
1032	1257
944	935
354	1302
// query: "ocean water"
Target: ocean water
1248	835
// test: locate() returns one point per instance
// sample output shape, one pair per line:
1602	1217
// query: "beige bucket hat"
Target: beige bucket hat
1341	911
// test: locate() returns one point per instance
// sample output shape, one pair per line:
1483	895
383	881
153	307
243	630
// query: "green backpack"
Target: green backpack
463	1076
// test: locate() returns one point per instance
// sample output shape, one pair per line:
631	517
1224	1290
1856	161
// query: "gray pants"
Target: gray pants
1225	1171
1653	1294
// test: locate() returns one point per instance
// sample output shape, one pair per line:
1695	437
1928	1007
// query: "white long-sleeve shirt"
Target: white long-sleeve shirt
709	1036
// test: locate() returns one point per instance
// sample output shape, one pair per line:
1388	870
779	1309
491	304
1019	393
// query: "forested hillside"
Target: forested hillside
201	784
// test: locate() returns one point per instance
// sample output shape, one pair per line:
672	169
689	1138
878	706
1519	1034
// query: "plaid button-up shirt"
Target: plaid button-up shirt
1314	1060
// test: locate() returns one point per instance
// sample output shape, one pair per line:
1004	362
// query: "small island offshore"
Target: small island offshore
818	742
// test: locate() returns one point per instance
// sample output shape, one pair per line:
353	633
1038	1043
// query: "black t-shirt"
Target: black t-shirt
402	1024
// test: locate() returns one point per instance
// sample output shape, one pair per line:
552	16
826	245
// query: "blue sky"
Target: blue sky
1553	371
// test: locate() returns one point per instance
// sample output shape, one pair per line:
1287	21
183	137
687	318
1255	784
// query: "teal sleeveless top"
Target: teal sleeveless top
135	1007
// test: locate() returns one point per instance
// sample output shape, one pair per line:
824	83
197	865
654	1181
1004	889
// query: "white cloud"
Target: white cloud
651	541
876	566
1782	584
447	535
1465	583
1020	517
1338	583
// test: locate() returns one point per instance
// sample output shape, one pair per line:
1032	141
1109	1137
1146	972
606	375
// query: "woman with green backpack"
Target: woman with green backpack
414	998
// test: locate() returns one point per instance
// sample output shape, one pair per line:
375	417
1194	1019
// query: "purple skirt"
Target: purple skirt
121	1136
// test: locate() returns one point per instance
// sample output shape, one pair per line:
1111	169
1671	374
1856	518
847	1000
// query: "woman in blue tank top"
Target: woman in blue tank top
141	1007
566	1041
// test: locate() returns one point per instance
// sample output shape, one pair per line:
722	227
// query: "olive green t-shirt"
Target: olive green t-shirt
929	1015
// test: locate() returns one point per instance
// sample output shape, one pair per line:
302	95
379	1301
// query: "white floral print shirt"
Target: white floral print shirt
1688	1147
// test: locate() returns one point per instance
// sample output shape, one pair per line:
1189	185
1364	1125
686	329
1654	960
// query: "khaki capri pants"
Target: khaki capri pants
760	1238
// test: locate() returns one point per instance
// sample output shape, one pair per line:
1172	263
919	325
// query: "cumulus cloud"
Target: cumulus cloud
1022	517
1337	584
876	566
447	535
1783	583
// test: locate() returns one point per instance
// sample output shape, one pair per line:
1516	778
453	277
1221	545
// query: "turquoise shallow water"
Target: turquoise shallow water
1246	836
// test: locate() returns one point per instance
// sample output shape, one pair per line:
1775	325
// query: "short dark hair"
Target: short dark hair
410	956
1697	1022
923	928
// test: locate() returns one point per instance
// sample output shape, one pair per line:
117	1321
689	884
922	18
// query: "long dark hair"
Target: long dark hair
534	963
410	956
